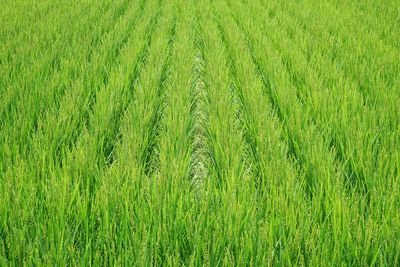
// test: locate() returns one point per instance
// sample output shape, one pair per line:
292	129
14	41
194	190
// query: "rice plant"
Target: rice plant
200	133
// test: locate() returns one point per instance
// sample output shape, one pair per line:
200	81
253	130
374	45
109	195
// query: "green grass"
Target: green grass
216	133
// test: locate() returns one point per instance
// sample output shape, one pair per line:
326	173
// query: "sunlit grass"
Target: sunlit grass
199	133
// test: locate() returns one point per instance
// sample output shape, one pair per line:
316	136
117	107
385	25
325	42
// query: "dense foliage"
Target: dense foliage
151	132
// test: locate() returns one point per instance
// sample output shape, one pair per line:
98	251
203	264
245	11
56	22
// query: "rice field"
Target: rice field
199	133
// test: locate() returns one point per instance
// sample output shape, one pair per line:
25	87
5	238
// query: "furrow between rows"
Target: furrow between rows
199	111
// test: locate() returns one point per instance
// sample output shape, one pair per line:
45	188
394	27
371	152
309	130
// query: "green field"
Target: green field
215	133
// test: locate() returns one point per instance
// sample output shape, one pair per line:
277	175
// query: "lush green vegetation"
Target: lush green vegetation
151	132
